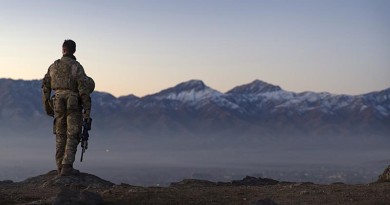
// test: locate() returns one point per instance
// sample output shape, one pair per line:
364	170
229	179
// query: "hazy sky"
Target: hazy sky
141	47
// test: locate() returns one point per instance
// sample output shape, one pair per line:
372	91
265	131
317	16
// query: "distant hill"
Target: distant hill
256	109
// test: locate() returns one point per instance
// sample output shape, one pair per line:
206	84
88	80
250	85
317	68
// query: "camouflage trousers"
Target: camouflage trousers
67	125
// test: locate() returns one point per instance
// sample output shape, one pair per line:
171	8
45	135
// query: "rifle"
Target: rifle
85	135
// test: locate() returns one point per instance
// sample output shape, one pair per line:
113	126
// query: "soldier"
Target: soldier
70	104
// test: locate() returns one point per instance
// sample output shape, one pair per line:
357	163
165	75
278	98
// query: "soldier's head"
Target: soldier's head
68	47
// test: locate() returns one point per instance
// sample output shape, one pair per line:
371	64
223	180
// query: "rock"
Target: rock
87	197
253	181
193	183
67	196
385	176
73	197
82	180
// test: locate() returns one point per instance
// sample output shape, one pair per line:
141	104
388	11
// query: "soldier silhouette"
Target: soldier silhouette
69	105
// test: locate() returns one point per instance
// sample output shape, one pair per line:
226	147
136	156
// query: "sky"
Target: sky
141	47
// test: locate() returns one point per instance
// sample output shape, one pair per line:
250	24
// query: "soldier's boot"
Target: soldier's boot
67	170
59	170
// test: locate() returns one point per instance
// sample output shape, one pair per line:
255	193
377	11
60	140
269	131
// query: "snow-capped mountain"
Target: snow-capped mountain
192	92
256	87
191	107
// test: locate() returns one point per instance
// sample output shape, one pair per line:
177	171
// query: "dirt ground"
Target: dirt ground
44	189
279	194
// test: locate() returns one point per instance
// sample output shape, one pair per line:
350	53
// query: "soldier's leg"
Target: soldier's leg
70	149
74	122
60	130
60	150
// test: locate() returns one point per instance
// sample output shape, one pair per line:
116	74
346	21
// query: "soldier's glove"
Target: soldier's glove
87	123
86	114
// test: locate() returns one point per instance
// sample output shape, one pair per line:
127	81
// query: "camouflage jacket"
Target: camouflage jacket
66	74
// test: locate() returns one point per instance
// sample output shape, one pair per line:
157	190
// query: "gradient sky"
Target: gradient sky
140	47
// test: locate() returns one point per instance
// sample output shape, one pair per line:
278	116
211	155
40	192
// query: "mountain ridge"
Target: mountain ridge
193	107
195	80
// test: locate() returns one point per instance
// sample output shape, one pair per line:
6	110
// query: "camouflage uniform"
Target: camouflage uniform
71	95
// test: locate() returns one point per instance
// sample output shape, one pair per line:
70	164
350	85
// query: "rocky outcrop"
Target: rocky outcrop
385	176
50	188
82	180
70	197
253	181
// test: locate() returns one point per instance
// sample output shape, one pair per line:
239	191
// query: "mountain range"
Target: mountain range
256	109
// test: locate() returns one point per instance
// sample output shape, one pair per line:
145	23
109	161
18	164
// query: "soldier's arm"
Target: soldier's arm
82	83
46	92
